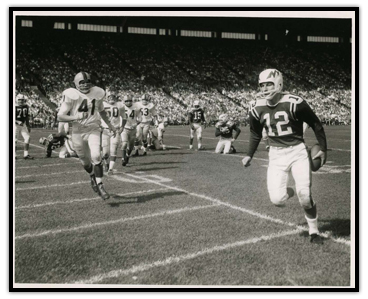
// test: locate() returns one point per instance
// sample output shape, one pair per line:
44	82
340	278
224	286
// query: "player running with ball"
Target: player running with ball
283	114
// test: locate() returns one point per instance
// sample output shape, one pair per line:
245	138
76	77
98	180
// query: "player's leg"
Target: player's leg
199	137
80	144
94	144
69	147
191	138
227	147
160	139
277	177
156	143
220	147
302	176
137	140
17	132
114	144
27	139
106	140
145	130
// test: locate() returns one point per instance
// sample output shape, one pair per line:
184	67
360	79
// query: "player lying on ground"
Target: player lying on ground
283	114
58	140
157	135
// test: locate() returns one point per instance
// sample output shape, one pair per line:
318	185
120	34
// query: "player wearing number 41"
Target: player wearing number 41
196	122
282	115
85	104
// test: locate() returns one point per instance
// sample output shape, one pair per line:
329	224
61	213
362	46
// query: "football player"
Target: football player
196	122
129	127
59	140
149	115
283	114
157	135
85	105
224	129
110	144
22	125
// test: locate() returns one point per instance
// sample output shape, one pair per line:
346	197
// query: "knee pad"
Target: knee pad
278	197
27	139
96	158
305	198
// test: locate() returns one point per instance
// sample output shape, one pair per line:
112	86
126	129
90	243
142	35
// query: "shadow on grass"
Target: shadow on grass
23	182
163	162
153	169
122	200
339	228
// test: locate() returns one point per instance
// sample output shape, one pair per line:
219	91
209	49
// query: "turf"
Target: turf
180	217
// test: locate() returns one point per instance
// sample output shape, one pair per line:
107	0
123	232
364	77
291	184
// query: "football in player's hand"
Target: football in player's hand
316	163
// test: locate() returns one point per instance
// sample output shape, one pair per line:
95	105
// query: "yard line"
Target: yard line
177	259
253	213
235	155
47	174
50	186
121	220
47	165
83	199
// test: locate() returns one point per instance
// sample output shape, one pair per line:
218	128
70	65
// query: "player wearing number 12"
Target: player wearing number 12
282	115
85	104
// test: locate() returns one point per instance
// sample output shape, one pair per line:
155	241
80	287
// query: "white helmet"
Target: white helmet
146	99
128	100
84	86
20	99
43	140
112	99
224	118
274	76
196	104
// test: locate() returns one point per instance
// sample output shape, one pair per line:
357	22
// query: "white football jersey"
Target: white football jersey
132	114
148	111
91	102
113	111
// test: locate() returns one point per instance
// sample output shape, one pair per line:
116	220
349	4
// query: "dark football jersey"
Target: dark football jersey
54	141
196	115
283	122
21	114
230	126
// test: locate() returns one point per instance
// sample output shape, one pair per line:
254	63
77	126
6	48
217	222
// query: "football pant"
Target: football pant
128	137
22	130
224	144
87	145
197	129
63	127
282	162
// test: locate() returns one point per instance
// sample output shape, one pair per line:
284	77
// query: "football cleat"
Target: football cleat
102	192
110	172
316	239
202	148
94	183
28	157
124	162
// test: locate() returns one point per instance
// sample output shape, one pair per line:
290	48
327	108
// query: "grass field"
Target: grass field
180	217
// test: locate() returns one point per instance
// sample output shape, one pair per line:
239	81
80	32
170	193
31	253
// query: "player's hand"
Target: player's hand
232	140
192	127
113	130
246	161
82	115
322	155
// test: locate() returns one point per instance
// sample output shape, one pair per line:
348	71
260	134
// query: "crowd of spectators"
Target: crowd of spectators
222	76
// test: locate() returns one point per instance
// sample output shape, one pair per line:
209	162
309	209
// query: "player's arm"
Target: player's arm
254	138
217	132
305	113
237	132
64	110
106	119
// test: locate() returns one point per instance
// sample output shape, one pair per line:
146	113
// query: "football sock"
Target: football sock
124	154
191	146
312	212
89	169
25	153
98	172
313	227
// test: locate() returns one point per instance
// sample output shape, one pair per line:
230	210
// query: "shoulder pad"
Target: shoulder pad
260	102
71	93
97	92
287	97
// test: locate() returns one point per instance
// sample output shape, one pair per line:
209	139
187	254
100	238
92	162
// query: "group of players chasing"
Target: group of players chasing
281	116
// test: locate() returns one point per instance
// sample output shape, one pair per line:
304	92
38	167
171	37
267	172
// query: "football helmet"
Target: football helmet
43	140
82	82
112	99
20	99
146	99
128	101
274	76
196	104
223	118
